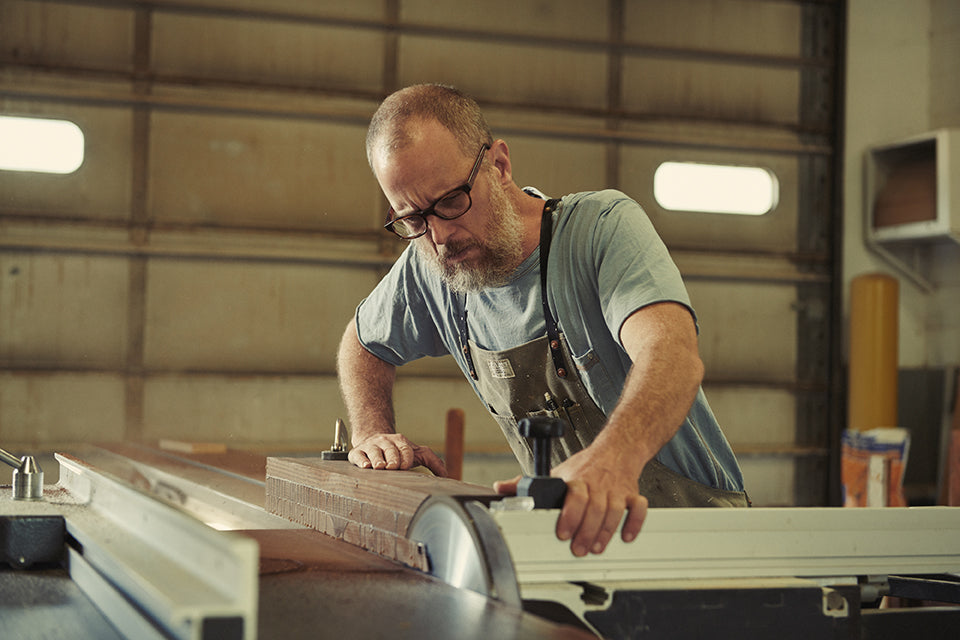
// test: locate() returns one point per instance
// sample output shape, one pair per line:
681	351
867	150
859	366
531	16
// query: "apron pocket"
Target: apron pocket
595	379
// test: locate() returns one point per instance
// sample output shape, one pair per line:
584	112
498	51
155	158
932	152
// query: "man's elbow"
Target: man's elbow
354	357
349	346
693	371
697	370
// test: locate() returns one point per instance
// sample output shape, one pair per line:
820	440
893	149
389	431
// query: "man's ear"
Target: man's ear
500	158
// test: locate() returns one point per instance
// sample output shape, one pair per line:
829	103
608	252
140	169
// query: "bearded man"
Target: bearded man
571	306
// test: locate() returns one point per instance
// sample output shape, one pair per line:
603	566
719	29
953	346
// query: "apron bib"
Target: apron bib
540	378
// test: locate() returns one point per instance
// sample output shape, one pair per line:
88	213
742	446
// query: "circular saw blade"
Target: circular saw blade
465	548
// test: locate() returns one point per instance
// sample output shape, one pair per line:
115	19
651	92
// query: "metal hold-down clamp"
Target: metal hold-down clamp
547	492
27	476
338	451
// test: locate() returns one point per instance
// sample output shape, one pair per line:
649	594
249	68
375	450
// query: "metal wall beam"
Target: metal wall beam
309	105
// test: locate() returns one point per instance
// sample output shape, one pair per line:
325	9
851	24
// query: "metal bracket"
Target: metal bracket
27	476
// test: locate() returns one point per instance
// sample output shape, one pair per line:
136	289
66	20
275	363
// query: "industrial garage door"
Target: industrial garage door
192	278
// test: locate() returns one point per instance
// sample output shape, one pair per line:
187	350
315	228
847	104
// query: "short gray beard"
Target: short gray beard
500	253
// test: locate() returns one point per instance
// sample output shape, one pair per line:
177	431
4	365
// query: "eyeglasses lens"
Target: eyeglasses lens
410	227
452	205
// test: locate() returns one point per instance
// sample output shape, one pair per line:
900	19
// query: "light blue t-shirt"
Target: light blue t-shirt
606	261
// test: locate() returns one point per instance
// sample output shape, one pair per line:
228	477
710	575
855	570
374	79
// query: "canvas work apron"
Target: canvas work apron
540	378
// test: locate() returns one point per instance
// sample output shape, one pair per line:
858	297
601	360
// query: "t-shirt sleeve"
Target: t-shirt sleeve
634	268
395	322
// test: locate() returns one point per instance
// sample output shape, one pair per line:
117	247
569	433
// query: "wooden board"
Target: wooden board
364	507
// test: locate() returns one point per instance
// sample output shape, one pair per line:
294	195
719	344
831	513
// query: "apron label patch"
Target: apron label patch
501	368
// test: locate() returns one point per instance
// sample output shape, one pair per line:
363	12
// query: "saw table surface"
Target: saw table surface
314	586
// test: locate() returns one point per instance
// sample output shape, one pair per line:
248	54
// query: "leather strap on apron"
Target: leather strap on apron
553	331
540	377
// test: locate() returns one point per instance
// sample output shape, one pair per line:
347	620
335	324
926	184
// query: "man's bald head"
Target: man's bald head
394	123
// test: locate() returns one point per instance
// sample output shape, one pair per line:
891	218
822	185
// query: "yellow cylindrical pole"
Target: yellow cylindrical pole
874	336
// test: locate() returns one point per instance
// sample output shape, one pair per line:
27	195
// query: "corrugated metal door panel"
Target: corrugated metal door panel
224	316
42	407
771	480
63	311
560	19
747	329
706	89
273	410
717	26
225	161
507	72
755	416
556	166
278	52
59	34
240	171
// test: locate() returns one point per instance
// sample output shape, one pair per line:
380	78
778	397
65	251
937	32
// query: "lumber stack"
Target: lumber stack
367	508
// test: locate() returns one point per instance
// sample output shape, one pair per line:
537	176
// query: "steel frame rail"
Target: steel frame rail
153	570
744	543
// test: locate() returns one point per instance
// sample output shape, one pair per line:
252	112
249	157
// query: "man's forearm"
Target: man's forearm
662	383
366	384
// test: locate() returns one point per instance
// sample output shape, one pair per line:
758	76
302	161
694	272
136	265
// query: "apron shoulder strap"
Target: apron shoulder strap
553	331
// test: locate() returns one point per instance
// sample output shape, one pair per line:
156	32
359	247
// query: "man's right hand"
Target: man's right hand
395	451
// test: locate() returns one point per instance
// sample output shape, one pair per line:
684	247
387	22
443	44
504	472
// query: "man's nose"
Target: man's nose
440	229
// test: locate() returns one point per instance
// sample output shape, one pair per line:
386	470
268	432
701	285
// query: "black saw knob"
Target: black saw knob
547	492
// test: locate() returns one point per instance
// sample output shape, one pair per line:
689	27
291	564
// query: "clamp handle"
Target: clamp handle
547	492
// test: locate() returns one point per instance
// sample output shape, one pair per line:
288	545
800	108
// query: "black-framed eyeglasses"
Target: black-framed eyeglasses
450	205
